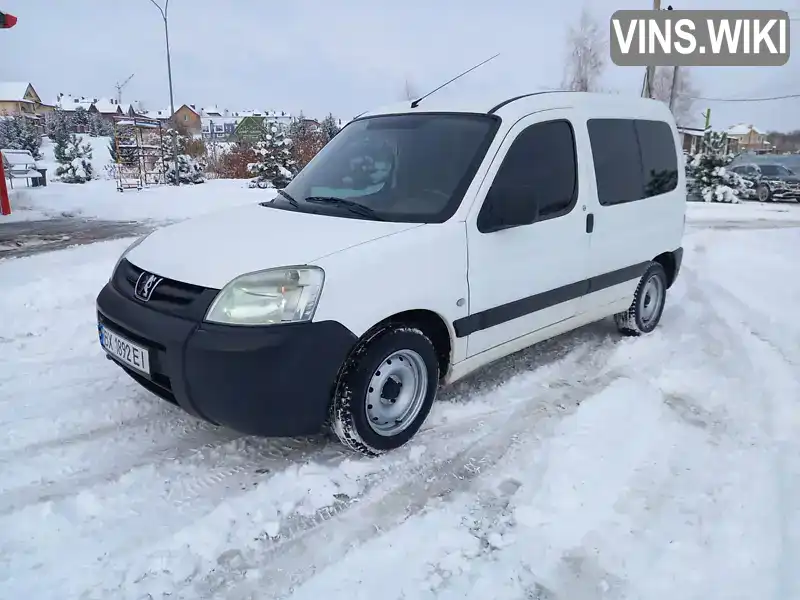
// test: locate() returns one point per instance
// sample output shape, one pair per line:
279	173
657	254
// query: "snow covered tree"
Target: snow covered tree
274	166
74	160
586	52
190	170
330	127
80	119
308	138
98	125
58	125
684	101
709	175
19	133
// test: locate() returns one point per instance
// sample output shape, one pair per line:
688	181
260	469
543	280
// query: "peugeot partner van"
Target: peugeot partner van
420	244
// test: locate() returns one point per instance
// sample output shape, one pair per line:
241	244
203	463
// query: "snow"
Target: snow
591	466
13	90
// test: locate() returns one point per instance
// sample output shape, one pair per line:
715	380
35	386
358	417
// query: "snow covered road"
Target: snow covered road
591	466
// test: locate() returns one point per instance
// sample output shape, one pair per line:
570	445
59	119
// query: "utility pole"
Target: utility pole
164	12
674	91
649	74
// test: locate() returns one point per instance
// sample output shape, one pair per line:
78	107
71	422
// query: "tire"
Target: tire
391	377
643	316
763	193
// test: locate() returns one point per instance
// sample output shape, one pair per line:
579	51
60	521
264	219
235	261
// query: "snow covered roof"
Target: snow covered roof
106	106
211	111
13	90
743	129
158	114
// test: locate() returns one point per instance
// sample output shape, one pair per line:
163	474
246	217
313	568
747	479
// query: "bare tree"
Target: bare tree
662	86
586	51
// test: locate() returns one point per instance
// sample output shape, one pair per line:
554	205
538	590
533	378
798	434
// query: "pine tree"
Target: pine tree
19	133
330	127
80	118
74	162
190	170
711	179
274	166
58	125
98	125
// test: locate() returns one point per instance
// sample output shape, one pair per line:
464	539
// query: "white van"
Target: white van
420	244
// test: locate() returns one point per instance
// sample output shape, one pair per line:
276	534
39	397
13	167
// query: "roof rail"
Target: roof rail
515	98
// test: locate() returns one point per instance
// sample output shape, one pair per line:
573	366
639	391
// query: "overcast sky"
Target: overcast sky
342	56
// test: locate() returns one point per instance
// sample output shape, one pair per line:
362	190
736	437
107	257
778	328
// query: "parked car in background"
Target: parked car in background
771	181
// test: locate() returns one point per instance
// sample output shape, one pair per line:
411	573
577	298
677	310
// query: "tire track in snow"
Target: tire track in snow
393	499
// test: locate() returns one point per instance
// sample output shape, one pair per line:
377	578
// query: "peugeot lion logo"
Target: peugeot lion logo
145	285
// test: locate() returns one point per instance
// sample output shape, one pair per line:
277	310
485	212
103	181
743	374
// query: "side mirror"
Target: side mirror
505	208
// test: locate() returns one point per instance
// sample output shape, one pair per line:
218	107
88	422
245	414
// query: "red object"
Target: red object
5	205
7	21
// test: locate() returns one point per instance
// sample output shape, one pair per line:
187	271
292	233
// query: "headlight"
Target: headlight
285	295
125	253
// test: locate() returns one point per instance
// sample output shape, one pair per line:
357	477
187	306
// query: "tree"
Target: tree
190	170
80	119
274	165
58	125
330	127
685	90
709	175
19	133
98	125
586	51
234	163
307	138
74	160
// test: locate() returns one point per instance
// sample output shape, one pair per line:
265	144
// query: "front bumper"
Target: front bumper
271	381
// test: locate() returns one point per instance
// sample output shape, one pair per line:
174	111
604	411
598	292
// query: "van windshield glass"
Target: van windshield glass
402	168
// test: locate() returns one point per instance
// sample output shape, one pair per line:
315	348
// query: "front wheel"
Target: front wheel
648	303
763	193
385	390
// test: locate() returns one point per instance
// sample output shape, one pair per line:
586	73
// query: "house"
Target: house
187	117
21	99
749	138
691	139
107	109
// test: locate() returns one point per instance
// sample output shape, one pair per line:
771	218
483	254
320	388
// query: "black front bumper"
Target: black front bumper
271	381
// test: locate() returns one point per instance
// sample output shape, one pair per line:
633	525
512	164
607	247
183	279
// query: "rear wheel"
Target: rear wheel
648	303
385	390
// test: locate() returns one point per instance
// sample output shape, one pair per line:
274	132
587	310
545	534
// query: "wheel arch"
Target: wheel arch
431	323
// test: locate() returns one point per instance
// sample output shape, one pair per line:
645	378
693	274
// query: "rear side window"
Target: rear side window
539	172
633	159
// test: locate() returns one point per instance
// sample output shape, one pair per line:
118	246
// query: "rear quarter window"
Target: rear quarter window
633	159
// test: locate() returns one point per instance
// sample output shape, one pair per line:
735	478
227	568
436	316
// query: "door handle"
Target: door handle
589	223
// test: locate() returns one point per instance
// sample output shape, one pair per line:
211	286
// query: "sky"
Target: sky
345	57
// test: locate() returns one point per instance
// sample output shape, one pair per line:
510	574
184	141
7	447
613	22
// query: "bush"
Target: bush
233	164
190	170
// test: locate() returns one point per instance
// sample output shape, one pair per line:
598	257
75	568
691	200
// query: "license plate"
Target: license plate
124	350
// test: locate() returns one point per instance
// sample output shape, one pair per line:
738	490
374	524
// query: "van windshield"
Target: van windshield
403	168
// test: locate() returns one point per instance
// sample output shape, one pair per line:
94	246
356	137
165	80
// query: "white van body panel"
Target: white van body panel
213	249
420	269
509	265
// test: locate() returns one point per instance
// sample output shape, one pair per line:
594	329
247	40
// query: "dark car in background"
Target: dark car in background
771	181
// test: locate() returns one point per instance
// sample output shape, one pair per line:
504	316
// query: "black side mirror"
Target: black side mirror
505	208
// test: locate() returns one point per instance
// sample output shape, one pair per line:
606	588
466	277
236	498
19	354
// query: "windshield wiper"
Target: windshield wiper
354	207
286	195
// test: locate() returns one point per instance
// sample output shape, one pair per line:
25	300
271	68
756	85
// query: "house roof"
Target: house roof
14	90
743	129
106	106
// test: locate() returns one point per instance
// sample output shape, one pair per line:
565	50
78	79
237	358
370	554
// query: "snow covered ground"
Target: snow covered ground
591	466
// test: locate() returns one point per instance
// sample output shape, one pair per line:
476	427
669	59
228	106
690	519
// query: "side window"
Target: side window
537	180
633	159
617	161
659	160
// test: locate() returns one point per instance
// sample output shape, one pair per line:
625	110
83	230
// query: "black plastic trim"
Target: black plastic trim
525	306
494	109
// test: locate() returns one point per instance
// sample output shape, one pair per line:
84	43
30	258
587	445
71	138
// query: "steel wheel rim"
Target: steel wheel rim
651	299
762	194
396	392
